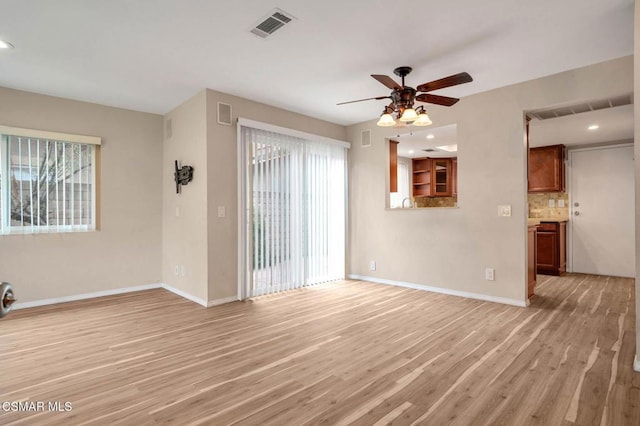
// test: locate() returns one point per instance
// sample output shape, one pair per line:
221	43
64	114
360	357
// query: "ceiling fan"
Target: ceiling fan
403	97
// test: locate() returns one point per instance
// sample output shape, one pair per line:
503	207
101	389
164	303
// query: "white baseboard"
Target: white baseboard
450	292
184	294
217	302
636	364
83	296
75	297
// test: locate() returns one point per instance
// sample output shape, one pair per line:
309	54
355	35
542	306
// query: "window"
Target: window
47	181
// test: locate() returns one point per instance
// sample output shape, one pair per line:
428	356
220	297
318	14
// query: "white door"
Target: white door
602	211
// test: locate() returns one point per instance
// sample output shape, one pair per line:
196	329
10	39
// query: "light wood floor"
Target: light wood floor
347	353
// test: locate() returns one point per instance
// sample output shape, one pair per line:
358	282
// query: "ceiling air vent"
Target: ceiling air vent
617	101
271	23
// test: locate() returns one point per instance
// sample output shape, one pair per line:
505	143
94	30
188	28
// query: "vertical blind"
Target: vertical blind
45	185
295	194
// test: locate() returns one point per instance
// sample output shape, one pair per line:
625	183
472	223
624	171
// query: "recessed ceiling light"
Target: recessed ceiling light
5	45
411	151
430	136
593	127
449	148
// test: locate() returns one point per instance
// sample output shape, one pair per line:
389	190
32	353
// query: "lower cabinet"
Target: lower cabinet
552	248
532	262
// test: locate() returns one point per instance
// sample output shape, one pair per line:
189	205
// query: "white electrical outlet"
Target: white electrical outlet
560	203
489	274
552	202
222	212
504	210
372	265
177	211
177	270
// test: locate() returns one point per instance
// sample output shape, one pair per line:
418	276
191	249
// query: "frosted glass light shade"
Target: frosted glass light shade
386	120
409	114
423	120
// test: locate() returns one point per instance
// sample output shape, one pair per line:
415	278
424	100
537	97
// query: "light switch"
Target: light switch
222	212
504	210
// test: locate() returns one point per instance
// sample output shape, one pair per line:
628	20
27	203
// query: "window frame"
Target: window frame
6	132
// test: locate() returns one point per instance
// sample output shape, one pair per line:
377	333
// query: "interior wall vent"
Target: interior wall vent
271	23
365	137
613	102
224	114
168	129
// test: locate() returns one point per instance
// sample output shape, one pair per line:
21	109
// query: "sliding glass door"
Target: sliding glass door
294	195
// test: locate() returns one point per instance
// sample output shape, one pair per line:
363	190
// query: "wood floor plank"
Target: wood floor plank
346	353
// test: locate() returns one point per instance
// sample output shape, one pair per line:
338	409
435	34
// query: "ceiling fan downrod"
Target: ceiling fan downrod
402	72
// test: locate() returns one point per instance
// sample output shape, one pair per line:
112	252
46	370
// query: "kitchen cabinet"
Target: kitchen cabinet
393	166
432	177
421	178
532	263
454	176
546	169
552	248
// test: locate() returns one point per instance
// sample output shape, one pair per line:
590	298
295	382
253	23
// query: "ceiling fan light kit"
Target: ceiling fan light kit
401	111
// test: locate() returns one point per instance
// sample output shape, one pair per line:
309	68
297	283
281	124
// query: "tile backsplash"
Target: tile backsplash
539	205
436	201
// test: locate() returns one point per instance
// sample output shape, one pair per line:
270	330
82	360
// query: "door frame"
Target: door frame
569	171
244	245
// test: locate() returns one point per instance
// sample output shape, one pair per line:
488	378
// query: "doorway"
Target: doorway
293	209
602	225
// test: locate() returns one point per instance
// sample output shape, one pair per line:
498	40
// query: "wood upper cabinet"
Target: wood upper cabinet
393	166
421	179
454	176
546	169
551	250
433	177
441	181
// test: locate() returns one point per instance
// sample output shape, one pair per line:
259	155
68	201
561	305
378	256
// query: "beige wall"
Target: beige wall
450	248
222	180
184	226
126	251
205	243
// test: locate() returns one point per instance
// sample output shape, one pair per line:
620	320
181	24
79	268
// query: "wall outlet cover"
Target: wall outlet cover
504	210
560	203
552	202
372	265
489	274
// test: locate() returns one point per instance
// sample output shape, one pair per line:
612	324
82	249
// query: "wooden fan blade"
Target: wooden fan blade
387	81
436	99
367	99
452	80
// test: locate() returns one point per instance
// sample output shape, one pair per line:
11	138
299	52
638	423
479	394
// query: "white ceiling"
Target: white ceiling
151	55
615	124
411	144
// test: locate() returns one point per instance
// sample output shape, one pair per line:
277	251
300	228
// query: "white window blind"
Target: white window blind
295	197
46	185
